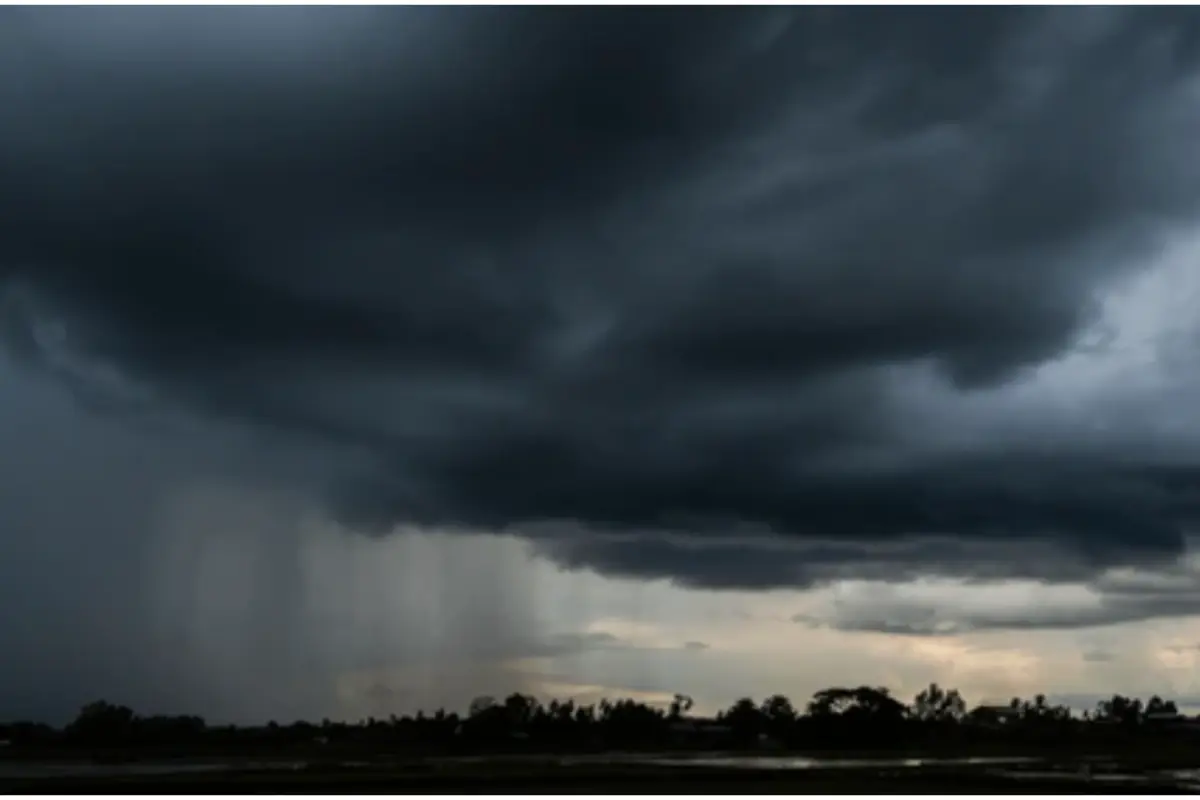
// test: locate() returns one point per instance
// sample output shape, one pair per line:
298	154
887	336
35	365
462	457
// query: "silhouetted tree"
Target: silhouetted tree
102	723
865	702
520	710
851	718
745	719
1156	705
935	704
1125	710
680	706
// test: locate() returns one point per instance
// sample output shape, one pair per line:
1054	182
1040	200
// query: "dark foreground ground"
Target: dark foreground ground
524	777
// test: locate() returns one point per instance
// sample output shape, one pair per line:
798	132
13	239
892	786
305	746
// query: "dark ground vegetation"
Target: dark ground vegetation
521	745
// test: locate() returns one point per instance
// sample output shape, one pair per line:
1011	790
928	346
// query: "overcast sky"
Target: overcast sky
356	360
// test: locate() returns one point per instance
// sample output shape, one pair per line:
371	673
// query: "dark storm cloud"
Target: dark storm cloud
755	559
642	270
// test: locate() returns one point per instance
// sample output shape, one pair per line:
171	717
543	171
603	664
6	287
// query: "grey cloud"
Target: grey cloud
889	612
645	269
571	643
514	646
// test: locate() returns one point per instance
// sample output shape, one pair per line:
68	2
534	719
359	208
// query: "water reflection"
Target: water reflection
1186	778
811	762
150	768
1015	768
87	769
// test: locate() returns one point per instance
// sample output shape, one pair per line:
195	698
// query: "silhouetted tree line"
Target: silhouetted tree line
862	718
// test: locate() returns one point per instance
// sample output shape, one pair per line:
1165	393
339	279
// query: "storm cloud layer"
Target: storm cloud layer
734	297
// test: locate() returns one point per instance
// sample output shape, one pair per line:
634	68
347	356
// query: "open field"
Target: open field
604	775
